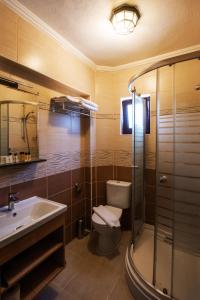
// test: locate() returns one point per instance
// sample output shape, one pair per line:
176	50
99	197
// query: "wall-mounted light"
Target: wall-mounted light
124	18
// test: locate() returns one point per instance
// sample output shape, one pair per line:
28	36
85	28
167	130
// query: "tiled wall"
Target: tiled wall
115	149
100	174
59	187
103	173
113	160
64	141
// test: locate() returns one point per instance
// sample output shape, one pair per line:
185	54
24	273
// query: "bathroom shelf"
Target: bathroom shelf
32	261
22	163
24	263
65	107
39	278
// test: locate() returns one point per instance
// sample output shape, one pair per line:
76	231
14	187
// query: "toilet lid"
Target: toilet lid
115	210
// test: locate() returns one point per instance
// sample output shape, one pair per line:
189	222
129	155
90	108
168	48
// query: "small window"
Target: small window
126	115
147	107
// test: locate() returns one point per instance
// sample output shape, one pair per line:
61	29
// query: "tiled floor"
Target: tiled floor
88	276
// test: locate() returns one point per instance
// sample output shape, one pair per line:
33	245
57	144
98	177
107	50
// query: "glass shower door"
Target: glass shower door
163	238
177	228
186	231
138	165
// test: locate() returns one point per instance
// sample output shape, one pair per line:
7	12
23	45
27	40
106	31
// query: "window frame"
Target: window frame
124	116
125	102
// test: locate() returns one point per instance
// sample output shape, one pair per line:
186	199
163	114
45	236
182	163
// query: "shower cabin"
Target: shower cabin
163	258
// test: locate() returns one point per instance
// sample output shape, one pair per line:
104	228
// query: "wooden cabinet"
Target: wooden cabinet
31	47
34	260
8	33
26	44
39	52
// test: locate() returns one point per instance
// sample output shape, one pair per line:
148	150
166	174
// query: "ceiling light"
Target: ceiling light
124	18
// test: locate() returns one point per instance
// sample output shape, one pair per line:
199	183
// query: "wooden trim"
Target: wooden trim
29	74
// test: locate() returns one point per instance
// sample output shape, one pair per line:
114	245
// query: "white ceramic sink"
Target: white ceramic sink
26	216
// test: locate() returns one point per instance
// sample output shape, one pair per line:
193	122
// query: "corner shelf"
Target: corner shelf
22	163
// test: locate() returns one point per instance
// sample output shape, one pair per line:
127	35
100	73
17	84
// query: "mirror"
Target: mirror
18	132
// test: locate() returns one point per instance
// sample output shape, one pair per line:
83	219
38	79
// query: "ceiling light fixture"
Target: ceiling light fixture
124	18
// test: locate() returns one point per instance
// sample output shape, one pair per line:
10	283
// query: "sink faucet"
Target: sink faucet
12	199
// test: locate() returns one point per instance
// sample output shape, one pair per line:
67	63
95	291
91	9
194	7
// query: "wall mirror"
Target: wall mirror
18	132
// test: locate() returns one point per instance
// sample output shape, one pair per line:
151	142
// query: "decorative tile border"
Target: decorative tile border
123	158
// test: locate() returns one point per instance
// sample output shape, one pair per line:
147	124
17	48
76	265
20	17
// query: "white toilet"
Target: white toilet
118	195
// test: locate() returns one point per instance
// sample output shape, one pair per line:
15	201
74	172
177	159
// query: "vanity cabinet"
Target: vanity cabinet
32	261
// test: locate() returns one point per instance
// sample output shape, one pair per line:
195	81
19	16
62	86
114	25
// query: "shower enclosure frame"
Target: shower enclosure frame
136	229
141	288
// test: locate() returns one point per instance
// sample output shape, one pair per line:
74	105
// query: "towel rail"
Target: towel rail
66	108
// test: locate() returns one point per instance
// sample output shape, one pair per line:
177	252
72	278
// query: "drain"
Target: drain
20	226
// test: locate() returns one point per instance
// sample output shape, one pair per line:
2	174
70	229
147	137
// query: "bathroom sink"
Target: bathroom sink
26	216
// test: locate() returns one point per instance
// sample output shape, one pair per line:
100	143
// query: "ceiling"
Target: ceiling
164	26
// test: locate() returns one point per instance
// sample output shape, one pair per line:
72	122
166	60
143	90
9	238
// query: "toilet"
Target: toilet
118	195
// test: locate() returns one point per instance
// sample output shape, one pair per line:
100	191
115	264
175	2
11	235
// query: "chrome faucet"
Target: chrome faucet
12	199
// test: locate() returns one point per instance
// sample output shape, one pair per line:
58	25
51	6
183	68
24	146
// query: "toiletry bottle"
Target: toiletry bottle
29	156
10	158
17	157
7	159
16	160
22	156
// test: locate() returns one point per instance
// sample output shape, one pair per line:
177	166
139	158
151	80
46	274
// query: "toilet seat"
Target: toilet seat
115	210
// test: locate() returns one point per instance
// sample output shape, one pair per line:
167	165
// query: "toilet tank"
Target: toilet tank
118	193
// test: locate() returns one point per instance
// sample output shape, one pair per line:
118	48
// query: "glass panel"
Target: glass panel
164	179
144	246
138	167
186	260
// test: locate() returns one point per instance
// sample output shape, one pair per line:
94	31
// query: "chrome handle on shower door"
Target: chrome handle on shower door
163	179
